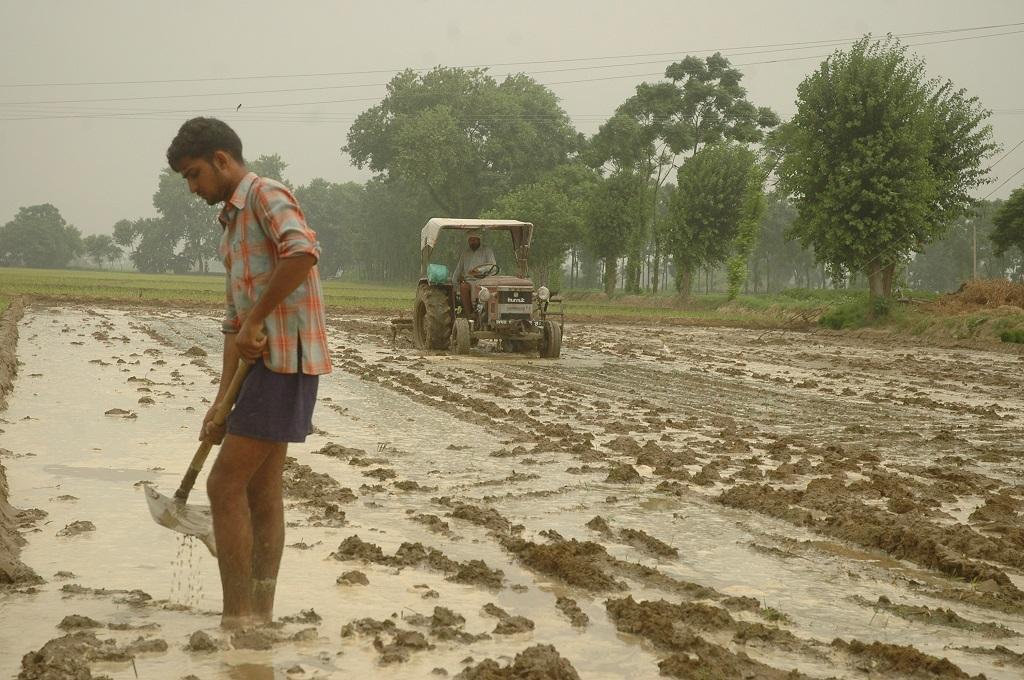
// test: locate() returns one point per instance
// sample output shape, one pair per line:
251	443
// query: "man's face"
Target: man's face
206	179
474	242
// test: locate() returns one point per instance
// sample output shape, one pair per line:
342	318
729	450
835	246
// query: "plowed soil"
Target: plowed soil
696	503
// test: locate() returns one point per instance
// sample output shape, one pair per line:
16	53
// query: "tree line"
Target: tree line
687	183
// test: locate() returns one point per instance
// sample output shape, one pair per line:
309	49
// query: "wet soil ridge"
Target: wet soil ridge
320	494
900	661
671	627
937	616
836	509
8	348
472	572
13	571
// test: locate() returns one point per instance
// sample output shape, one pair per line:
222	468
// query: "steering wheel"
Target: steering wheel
482	270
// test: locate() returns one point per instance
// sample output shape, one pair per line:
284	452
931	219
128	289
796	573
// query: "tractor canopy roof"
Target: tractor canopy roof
522	232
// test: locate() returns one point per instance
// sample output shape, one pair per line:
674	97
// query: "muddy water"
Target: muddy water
703	410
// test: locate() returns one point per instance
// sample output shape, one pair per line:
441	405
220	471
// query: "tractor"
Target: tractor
505	308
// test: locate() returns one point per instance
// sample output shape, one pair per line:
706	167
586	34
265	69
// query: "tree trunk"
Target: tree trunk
656	267
610	271
880	278
684	281
634	263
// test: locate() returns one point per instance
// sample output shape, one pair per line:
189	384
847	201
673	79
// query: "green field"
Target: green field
795	308
756	310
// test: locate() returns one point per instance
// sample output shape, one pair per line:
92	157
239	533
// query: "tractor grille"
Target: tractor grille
515	297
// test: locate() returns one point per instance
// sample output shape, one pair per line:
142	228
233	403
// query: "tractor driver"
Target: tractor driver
475	263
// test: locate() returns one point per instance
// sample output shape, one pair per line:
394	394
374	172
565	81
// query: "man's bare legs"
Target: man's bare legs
248	524
266	507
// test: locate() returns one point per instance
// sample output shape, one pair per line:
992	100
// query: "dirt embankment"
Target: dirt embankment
12	571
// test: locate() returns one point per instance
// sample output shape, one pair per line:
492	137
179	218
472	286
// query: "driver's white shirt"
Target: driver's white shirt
470	259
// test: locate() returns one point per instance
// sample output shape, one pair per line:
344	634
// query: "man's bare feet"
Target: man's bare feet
236	622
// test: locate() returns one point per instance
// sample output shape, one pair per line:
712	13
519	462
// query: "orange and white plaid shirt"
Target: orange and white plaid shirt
263	224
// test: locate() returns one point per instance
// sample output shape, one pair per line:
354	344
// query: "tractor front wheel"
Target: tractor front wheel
551	345
461	336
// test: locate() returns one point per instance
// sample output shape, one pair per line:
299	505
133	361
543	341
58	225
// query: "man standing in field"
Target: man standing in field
274	320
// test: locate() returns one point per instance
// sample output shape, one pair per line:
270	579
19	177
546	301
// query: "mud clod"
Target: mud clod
79	527
201	641
76	621
623	474
353	578
568	606
540	662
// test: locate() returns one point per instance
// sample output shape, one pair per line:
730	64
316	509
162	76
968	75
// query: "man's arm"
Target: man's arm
208	431
288	274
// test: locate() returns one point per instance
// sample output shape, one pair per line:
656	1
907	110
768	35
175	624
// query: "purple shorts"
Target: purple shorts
274	406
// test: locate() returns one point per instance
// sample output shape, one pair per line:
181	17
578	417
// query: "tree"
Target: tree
271	166
157	249
100	248
461	137
1009	222
386	242
334	212
38	236
614	214
187	221
715	212
556	206
879	159
777	255
703	103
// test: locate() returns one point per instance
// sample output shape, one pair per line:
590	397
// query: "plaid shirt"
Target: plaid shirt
262	224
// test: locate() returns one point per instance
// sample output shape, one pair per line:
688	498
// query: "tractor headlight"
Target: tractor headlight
484	295
543	293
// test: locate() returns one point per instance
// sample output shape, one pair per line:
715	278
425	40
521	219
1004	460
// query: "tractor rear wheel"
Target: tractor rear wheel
551	345
461	336
431	318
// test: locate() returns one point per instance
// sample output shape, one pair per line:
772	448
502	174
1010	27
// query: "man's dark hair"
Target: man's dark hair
201	138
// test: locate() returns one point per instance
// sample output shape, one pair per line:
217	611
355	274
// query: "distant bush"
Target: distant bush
1012	336
849	315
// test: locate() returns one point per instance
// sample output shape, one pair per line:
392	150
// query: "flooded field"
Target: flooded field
682	502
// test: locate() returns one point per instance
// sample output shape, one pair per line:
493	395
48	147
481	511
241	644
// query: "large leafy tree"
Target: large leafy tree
701	102
880	159
715	212
1009	223
556	206
38	236
100	248
614	214
461	137
187	220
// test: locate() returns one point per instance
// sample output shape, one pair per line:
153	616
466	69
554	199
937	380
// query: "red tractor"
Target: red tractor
499	307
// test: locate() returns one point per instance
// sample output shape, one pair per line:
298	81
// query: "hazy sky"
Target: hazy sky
91	93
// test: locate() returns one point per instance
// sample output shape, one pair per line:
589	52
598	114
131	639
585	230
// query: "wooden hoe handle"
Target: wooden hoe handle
219	416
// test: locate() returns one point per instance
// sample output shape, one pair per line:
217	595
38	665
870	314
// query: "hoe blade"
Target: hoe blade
191	520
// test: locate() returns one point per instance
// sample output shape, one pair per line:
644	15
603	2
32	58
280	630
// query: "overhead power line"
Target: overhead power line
49	113
999	160
1002	184
788	45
